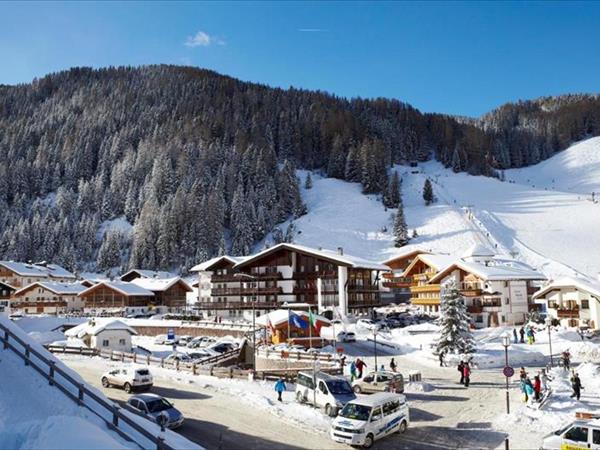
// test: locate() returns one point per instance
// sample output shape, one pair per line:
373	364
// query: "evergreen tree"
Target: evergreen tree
400	229
352	171
109	255
308	184
391	197
455	333
428	192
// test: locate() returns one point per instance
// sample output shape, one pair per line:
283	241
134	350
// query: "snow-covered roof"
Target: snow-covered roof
159	284
436	261
404	252
55	287
490	271
280	316
124	287
206	265
478	250
341	259
149	273
12	288
37	270
581	284
93	327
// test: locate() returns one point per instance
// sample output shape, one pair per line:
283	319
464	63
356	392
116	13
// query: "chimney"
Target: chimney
340	250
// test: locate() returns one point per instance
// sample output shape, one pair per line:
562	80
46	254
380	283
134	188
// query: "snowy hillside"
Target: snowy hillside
575	169
549	229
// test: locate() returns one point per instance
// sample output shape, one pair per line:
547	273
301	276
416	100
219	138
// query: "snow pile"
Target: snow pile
415	387
34	414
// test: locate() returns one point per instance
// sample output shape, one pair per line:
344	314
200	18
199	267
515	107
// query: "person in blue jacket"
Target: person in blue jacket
279	388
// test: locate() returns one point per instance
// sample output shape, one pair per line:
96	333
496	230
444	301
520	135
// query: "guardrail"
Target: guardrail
78	392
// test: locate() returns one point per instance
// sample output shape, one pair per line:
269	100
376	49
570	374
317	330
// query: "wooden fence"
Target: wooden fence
298	355
109	412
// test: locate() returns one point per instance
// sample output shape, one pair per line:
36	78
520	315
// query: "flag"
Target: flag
298	322
314	322
270	326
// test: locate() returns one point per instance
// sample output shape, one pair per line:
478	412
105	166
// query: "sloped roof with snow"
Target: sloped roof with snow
55	287
280	316
149	273
159	284
404	253
37	270
582	284
123	287
478	250
435	261
490	272
206	265
334	256
96	326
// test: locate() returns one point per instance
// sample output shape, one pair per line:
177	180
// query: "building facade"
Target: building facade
117	297
48	297
18	274
395	285
6	293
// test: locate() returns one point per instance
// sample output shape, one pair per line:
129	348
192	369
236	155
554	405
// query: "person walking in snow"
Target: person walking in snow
576	385
523	390
566	360
537	388
279	388
522	374
532	332
393	365
545	379
441	356
461	369
529	392
515	337
522	334
467	374
352	371
360	365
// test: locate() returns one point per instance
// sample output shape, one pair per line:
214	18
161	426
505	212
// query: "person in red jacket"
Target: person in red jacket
467	374
360	365
537	388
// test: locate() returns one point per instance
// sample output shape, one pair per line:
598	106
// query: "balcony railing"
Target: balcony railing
397	282
315	275
565	313
246	291
474	309
363	288
235	305
425	288
425	301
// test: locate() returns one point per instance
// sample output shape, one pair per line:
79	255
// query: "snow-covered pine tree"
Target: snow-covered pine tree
352	171
109	255
308	184
455	333
456	162
428	192
391	196
400	229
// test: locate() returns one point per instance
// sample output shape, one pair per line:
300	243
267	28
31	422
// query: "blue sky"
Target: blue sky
458	58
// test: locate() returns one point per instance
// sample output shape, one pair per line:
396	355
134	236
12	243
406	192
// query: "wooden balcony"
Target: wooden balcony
224	278
425	288
565	313
315	275
425	301
268	276
224	292
475	309
363	288
470	289
203	306
397	282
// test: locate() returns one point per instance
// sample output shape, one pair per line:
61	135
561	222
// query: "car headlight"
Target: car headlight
359	431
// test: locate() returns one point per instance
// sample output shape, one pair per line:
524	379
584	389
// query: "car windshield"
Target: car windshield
562	430
143	372
337	387
158	405
356	412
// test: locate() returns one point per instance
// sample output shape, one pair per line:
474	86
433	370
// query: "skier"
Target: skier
467	374
523	386
576	385
279	388
529	336
537	388
461	369
360	365
515	337
393	365
522	334
352	371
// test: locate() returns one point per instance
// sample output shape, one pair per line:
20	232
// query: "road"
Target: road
217	421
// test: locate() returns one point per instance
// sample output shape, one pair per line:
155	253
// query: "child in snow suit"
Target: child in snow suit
279	388
529	392
545	379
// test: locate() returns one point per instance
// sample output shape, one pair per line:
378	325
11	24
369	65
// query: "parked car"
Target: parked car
160	339
348	336
369	418
330	393
183	340
201	354
367	323
222	347
173	341
581	434
128	378
200	342
380	381
176	356
153	406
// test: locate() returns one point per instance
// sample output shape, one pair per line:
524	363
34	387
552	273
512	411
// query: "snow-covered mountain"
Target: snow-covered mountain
550	225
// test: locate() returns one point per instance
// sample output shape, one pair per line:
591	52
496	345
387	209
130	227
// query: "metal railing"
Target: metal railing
77	391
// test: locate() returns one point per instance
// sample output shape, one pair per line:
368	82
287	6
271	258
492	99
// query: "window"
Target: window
323	388
585	304
577	434
105	343
596	437
391	407
122	342
376	415
382	378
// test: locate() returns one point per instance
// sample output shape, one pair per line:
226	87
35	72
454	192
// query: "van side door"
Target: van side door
595	444
322	394
376	422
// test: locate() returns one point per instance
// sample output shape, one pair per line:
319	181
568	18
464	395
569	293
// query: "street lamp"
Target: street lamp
375	345
251	277
548	325
508	372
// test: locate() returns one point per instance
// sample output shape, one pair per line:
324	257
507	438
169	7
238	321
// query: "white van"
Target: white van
369	418
581	434
332	393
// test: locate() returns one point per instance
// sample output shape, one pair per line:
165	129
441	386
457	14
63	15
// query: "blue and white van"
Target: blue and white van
369	418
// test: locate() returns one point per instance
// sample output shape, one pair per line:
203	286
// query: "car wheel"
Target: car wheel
368	441
105	382
299	397
127	388
357	389
403	426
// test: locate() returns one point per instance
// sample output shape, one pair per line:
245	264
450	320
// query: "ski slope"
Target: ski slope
542	215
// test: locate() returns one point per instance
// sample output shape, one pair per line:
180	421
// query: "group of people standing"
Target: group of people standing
533	390
524	332
465	373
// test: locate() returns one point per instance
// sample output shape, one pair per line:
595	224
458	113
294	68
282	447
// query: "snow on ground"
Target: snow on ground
34	414
119	224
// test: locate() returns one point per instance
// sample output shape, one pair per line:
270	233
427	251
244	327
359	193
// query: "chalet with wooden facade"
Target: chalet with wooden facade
290	273
117	297
574	302
420	271
497	291
6	293
396	286
48	297
293	327
169	293
18	274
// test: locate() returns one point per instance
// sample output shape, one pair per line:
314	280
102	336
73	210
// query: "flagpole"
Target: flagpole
309	328
288	333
